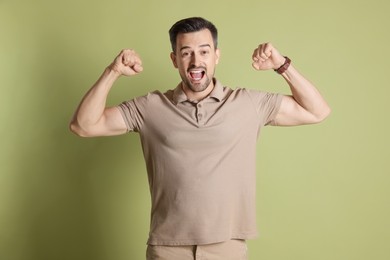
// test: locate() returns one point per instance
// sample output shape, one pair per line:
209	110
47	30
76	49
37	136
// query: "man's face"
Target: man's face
196	58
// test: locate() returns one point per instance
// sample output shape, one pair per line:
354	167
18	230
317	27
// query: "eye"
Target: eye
204	52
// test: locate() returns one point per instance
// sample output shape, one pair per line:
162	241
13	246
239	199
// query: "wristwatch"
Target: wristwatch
284	67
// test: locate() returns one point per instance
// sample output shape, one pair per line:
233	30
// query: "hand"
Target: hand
266	57
127	63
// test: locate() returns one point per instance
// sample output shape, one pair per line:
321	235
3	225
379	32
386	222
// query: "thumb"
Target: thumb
256	65
138	68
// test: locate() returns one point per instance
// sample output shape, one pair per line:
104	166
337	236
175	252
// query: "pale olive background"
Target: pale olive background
323	190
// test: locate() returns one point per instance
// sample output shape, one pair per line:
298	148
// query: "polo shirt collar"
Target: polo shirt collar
217	93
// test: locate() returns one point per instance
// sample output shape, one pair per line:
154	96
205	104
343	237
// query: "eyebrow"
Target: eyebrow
202	45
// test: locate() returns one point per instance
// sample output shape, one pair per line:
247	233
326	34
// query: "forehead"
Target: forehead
194	39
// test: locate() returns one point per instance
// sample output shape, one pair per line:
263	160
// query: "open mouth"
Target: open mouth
197	74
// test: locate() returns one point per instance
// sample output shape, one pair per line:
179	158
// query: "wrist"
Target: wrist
111	71
284	66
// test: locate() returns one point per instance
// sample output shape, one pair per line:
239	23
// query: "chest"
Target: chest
205	124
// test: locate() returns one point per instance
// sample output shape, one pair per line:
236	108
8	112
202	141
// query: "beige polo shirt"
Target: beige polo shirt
200	159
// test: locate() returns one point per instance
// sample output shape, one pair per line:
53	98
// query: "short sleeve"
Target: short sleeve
132	114
267	105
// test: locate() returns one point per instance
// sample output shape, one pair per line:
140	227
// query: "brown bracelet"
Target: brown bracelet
284	67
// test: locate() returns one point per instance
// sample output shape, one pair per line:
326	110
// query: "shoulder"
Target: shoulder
242	92
151	97
259	98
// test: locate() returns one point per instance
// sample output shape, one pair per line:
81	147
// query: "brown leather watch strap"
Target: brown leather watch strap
284	67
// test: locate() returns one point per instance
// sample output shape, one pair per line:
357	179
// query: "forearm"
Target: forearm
306	94
92	106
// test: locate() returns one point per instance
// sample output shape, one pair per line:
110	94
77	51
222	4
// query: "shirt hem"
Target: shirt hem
187	242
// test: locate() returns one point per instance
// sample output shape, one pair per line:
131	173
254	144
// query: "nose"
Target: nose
195	60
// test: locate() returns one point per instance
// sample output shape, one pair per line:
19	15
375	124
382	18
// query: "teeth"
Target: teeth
197	75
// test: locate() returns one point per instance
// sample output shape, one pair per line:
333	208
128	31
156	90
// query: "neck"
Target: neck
197	96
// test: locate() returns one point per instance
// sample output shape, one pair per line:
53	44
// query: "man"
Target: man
199	141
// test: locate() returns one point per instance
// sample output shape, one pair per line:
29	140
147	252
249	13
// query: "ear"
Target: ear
173	58
217	54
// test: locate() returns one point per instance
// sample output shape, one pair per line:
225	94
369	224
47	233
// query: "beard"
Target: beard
197	87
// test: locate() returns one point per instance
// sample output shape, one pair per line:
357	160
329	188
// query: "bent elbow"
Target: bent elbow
325	113
75	128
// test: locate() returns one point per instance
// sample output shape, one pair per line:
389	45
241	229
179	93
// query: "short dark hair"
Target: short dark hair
192	24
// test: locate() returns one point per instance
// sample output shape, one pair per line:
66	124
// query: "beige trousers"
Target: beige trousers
229	250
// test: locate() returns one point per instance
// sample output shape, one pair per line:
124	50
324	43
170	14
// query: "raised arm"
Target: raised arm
305	105
92	117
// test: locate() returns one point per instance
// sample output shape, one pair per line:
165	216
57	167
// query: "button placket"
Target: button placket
199	112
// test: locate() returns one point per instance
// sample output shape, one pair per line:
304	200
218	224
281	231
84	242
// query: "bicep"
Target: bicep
111	123
292	114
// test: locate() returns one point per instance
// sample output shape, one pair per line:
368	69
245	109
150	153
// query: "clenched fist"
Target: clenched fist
127	63
266	57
